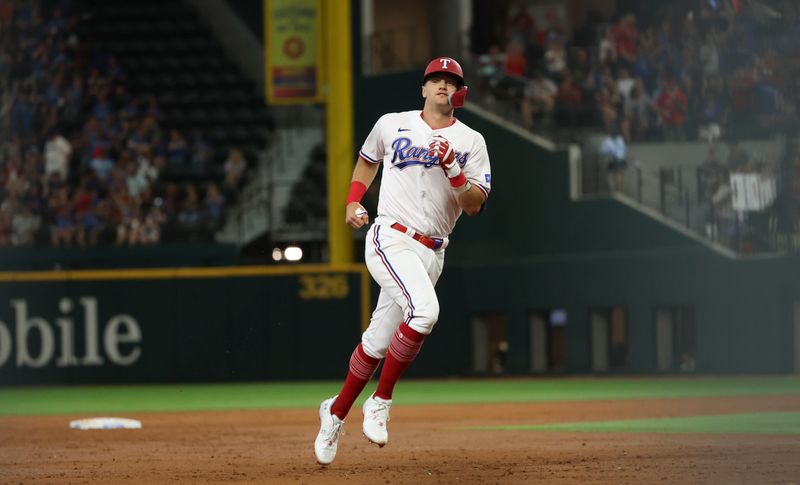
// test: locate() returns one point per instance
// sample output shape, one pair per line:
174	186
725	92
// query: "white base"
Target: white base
105	423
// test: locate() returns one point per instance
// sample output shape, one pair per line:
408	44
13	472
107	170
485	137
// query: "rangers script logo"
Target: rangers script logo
406	155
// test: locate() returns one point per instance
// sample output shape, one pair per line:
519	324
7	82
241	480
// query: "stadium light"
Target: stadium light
293	253
277	254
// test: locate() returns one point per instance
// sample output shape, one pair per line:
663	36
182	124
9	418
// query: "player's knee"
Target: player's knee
425	317
376	350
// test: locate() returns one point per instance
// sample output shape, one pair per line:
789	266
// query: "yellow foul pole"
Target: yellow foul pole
337	47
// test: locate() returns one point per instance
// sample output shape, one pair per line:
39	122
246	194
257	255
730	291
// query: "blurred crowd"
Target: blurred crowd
701	69
82	160
684	70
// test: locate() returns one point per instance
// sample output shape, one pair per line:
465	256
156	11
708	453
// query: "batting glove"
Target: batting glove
441	150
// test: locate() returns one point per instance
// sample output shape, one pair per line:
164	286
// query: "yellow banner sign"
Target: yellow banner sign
293	51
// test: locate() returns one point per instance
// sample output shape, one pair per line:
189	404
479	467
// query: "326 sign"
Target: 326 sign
323	286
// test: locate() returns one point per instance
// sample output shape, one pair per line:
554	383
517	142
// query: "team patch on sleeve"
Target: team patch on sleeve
488	178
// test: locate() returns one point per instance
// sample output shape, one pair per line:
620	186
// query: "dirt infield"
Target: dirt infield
427	445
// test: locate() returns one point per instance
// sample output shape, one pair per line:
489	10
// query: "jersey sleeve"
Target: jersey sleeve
477	169
373	148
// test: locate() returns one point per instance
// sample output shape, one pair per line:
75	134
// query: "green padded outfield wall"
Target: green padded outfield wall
178	325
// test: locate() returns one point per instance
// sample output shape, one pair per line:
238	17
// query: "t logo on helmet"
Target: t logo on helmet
444	62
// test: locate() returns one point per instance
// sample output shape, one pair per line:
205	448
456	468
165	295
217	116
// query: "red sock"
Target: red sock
403	350
362	366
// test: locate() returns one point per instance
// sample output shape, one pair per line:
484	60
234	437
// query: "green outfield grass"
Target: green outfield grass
196	397
760	423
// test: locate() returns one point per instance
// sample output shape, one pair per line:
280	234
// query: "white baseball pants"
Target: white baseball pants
407	272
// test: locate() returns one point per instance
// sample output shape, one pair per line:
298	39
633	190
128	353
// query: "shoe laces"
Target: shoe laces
332	433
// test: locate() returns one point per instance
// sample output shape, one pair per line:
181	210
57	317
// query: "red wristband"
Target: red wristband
458	180
357	191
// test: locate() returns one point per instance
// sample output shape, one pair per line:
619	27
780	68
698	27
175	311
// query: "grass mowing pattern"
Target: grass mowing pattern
197	397
757	423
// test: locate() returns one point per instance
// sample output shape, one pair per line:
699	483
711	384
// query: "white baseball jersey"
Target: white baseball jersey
414	189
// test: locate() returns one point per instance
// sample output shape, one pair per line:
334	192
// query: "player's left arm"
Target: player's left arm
471	201
479	173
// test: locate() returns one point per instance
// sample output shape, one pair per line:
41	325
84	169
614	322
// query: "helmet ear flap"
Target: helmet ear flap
458	98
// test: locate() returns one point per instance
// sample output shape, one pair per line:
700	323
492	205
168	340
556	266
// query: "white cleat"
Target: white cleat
376	418
330	427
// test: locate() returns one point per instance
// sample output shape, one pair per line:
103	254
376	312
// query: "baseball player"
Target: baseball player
434	168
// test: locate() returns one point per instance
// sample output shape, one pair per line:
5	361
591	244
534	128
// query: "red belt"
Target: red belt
431	242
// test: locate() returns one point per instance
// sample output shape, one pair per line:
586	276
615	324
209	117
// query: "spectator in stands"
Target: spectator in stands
723	227
128	222
235	166
637	113
101	164
624	35
91	222
522	23
23	113
742	105
73	100
540	97
136	180
609	101
215	207
7	211
150	233
608	49
491	71
534	52
63	229
625	84
33	198
580	67
14	176
171	204
190	215
149	135
202	155
33	169
24	226
712	176
177	152
711	113
57	152
516	62
709	55
570	101
555	59
554	30
613	152
671	105
102	106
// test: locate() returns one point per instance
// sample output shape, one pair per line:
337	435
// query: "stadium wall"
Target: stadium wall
182	325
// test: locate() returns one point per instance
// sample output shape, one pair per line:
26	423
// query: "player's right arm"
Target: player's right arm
367	164
363	176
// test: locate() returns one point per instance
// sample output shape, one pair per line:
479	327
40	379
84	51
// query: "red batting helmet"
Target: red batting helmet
444	64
